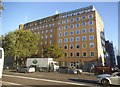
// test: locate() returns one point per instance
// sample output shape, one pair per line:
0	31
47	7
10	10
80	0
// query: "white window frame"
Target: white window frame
83	52
71	20
90	44
84	30
71	39
91	36
91	29
91	55
72	33
78	18
77	24
83	25
60	41
84	37
60	34
90	22
71	45
83	45
65	40
77	32
77	45
72	26
65	33
77	38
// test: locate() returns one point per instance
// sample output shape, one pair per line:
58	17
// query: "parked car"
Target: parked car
107	79
79	71
67	70
26	69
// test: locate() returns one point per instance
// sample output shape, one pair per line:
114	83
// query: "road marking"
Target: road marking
9	83
47	80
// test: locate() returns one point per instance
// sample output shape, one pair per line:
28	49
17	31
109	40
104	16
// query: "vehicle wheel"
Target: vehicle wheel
105	82
25	71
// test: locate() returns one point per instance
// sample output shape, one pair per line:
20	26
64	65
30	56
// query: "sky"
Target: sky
15	13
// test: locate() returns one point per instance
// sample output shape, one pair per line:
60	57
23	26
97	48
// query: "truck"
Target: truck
1	64
43	64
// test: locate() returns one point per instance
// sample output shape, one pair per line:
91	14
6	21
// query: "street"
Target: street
11	78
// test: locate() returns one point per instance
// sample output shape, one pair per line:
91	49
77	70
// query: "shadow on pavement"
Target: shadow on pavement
83	80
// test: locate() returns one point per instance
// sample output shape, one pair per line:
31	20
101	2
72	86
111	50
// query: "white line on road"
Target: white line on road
9	83
44	80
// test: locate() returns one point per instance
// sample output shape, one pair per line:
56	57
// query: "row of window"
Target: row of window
76	32
47	42
65	27
77	54
77	46
77	19
40	27
71	39
77	25
46	36
76	13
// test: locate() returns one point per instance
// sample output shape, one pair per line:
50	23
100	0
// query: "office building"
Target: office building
80	33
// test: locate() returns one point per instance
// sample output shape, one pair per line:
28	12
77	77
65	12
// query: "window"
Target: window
60	40
77	54
90	16
51	30
83	38
77	38
61	22
91	30
91	37
71	46
84	45
84	24
71	32
71	54
60	34
50	35
65	47
91	44
65	54
51	42
42	37
60	28
84	54
84	17
66	21
72	26
77	19
42	32
90	22
46	31
66	40
65	33
65	27
46	36
92	54
83	31
77	25
77	45
71	20
77	31
71	39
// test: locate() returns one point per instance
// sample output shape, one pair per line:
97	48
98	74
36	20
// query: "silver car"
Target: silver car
26	69
107	79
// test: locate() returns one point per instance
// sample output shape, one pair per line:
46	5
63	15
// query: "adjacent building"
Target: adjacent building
118	61
80	33
111	53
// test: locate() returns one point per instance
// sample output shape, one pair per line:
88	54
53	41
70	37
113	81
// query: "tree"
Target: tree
20	44
1	7
53	51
